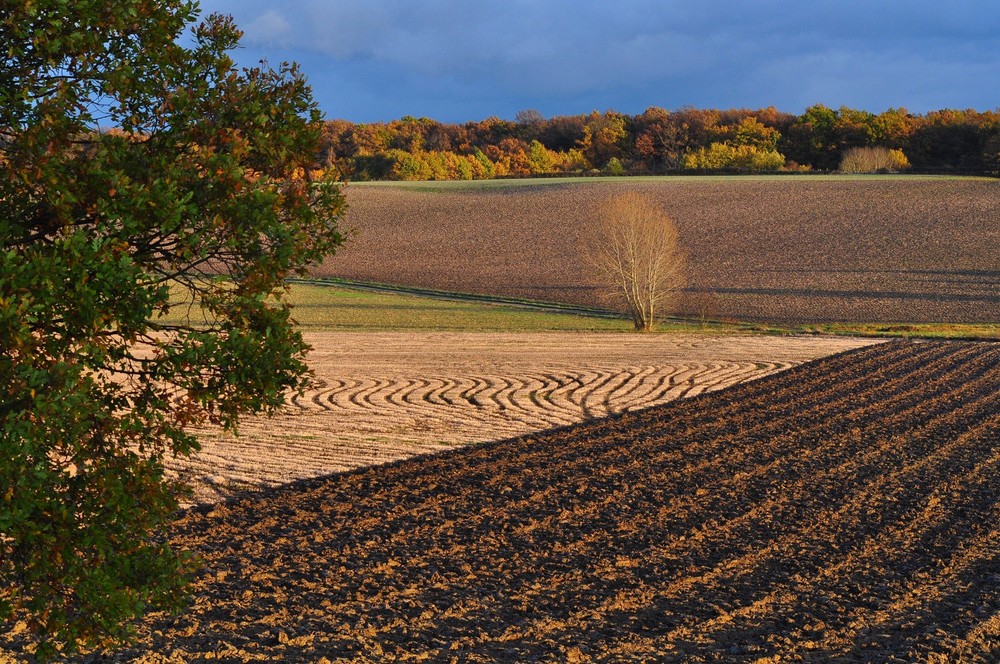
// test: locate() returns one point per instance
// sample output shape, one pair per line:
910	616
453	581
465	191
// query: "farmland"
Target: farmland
471	481
844	509
384	396
779	249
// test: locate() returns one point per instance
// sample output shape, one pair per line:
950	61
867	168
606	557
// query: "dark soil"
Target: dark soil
845	510
879	250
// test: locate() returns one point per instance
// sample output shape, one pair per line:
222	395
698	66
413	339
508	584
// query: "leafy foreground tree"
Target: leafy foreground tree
199	197
638	255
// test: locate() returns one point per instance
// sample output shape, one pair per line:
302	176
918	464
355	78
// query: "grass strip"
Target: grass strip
341	304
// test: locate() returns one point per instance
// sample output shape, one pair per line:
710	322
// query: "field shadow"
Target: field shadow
958	276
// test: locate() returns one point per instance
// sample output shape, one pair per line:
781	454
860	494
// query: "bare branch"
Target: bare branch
637	254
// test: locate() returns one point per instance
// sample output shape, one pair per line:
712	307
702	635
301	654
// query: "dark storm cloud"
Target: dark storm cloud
458	60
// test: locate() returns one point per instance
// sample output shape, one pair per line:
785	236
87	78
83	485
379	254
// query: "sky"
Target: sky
464	60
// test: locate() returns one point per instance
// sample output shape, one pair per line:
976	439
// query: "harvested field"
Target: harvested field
781	249
384	396
847	509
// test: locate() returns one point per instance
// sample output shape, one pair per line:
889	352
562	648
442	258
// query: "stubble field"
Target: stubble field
782	249
844	510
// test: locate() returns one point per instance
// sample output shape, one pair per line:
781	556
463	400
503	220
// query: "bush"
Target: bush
873	160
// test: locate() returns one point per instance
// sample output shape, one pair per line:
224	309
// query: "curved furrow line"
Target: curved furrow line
682	382
485	398
391	392
367	398
413	399
618	380
559	397
634	394
456	395
504	397
398	391
694	385
307	400
769	368
431	394
318	401
564	383
337	395
517	408
439	387
590	396
717	376
566	394
470	396
742	372
340	397
536	399
657	389
734	373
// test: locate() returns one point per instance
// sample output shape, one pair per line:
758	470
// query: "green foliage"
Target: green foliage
614	167
723	156
750	131
541	159
206	174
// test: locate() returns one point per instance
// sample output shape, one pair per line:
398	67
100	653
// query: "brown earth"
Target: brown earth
784	250
844	510
383	396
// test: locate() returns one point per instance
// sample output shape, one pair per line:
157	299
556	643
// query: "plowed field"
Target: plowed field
779	249
847	509
382	396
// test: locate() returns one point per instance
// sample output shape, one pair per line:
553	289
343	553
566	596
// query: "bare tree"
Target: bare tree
638	255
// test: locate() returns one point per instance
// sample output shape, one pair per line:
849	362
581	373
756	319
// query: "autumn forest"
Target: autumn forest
660	141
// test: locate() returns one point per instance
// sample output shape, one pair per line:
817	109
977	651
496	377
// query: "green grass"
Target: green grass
346	306
335	306
342	305
332	307
977	331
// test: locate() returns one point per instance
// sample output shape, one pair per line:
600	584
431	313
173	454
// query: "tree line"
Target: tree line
658	141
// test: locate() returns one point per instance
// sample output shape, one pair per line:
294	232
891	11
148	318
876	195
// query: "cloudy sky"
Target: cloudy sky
461	60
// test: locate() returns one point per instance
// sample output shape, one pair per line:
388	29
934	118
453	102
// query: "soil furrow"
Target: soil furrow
843	510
